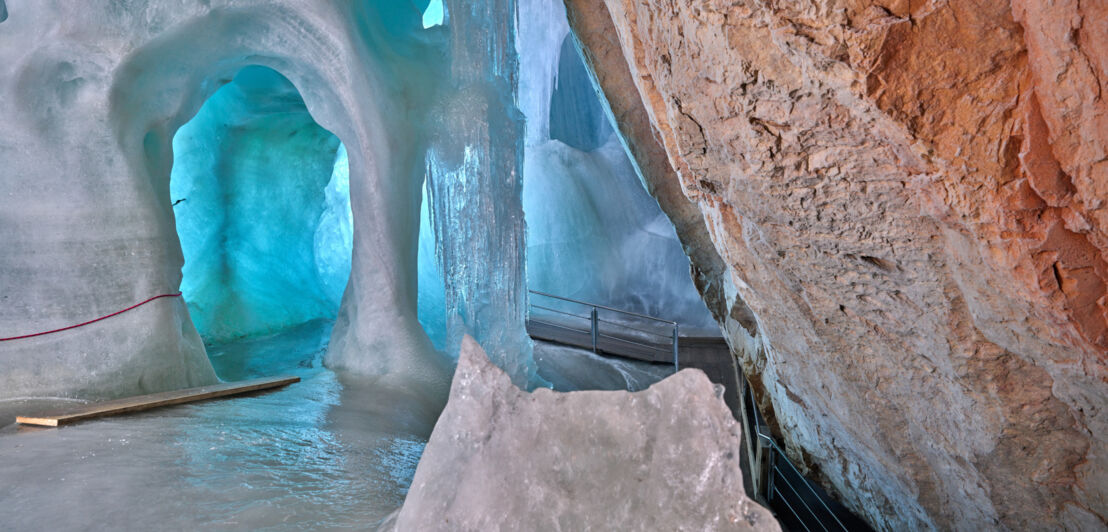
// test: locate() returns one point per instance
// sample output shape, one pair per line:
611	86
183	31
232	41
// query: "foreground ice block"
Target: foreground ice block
594	460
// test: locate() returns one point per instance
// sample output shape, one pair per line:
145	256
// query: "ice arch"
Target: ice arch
377	332
88	221
262	206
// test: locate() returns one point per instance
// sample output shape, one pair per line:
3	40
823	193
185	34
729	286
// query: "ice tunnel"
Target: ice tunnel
261	197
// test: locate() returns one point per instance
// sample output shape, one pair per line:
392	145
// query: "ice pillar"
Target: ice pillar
475	186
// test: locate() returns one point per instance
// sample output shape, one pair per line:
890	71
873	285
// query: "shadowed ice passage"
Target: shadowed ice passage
262	202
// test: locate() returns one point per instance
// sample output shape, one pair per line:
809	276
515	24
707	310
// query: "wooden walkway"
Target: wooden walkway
154	400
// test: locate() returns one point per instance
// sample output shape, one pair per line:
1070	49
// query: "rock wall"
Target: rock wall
907	199
503	459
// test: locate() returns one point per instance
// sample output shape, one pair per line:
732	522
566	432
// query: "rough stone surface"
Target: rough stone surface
666	458
908	201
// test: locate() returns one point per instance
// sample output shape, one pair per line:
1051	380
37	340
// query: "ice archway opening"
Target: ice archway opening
164	84
261	200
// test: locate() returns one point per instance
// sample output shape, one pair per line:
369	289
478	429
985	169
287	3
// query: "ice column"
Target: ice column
475	186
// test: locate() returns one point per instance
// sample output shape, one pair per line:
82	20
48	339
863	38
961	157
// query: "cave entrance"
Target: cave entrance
261	198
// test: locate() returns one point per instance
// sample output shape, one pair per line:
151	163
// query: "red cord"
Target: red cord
90	321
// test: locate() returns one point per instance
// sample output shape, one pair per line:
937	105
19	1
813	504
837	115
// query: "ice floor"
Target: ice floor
326	453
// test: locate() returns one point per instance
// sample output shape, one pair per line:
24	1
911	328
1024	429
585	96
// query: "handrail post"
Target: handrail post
595	330
676	367
771	474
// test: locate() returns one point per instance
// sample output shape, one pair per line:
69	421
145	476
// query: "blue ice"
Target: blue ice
594	233
262	205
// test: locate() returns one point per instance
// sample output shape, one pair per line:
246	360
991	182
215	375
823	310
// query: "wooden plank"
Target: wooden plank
154	400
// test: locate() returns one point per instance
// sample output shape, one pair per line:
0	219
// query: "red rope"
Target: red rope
132	307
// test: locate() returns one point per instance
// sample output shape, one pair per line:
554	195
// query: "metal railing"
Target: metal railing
782	486
601	330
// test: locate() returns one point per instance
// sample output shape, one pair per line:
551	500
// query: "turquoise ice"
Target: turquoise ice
262	198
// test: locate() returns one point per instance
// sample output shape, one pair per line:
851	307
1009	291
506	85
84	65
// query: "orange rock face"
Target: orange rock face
909	202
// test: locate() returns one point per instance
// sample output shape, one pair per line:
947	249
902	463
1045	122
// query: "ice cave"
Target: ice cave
553	265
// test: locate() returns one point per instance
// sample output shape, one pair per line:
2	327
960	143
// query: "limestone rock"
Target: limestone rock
666	458
908	201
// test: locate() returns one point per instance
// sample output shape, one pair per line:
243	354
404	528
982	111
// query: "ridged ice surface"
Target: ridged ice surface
475	183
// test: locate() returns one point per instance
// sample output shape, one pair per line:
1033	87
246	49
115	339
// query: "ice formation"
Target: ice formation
90	105
414	91
334	236
474	185
576	173
432	291
262	209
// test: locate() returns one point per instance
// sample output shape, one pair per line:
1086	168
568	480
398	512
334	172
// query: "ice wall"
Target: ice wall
576	115
90	104
334	235
594	233
262	208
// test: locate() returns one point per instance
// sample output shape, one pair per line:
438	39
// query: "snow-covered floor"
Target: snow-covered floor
326	453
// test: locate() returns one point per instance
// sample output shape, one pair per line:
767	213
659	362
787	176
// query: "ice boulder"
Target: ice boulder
666	458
